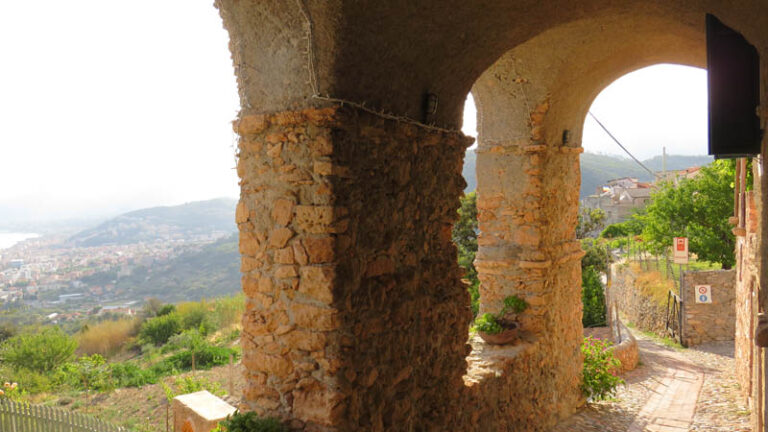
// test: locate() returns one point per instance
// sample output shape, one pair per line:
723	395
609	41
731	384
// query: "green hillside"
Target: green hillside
161	223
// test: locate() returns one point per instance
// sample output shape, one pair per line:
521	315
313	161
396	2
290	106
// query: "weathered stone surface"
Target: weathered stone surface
318	282
282	212
319	250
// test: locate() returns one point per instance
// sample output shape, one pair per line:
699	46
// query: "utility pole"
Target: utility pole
664	161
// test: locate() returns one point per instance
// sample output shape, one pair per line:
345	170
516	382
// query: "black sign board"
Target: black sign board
734	92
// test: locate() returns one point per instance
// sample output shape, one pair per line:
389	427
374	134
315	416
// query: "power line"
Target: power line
622	147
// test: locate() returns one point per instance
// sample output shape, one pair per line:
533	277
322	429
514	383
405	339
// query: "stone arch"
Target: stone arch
356	315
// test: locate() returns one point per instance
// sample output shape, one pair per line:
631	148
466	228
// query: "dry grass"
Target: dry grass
653	284
107	337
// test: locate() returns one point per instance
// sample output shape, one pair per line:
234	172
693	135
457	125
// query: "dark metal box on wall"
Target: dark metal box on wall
733	67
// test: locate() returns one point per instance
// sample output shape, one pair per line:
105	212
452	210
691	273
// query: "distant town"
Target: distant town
45	273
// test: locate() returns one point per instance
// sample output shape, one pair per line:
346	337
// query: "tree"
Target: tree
40	352
696	208
592	298
589	221
464	236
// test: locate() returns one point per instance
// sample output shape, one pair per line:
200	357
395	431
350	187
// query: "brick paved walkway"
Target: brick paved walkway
670	391
673	400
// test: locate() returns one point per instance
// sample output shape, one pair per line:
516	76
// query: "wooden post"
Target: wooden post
231	378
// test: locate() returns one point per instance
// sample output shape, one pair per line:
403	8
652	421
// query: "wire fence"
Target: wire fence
25	417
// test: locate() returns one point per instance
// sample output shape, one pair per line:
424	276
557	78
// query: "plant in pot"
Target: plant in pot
502	328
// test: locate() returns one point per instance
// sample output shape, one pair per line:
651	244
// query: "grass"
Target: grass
664	340
106	337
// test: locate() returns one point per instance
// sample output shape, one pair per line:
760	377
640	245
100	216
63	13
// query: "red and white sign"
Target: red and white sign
680	249
703	293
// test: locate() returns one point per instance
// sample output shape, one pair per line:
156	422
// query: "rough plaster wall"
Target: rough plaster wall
356	318
707	322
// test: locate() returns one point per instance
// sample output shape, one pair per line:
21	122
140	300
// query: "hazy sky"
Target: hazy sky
107	106
653	107
114	104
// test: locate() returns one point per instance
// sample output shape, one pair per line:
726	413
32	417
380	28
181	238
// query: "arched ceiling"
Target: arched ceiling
388	54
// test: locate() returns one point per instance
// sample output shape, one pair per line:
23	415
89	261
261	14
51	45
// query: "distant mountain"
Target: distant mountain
186	221
596	169
470	160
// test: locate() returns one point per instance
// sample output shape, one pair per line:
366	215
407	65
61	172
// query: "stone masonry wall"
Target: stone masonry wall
356	316
708	322
527	211
746	306
638	308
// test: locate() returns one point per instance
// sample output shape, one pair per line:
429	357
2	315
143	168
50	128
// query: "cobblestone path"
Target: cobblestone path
671	391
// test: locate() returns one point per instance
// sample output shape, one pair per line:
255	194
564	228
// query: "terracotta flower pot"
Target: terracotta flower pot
510	334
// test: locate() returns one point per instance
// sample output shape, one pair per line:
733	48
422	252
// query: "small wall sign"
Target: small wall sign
680	250
703	293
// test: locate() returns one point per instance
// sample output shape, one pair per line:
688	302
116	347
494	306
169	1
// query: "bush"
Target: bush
32	381
464	236
188	339
228	311
592	298
40	352
107	337
129	374
195	316
596	254
88	372
250	422
206	357
159	329
487	323
598	379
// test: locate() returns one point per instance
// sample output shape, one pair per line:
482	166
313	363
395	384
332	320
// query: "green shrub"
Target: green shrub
87	372
514	304
129	374
32	381
159	329
41	352
598	379
592	298
206	357
487	323
464	236
228	311
188	339
166	309
250	422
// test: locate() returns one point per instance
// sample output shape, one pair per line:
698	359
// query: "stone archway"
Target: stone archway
356	314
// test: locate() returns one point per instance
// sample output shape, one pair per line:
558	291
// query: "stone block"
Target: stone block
199	412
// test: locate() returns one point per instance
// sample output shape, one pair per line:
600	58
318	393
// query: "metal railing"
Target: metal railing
675	316
24	417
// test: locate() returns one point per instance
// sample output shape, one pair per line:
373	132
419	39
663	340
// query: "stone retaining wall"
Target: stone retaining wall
708	322
637	307
625	349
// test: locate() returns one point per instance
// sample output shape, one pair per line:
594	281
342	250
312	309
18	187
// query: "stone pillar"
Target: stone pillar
528	190
356	316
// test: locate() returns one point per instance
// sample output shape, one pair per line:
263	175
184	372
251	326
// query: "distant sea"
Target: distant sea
9	239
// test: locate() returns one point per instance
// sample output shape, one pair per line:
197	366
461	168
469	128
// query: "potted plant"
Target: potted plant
502	328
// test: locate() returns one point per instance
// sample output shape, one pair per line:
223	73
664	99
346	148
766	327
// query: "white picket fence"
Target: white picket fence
24	417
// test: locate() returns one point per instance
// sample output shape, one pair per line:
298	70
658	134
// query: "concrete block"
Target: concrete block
199	412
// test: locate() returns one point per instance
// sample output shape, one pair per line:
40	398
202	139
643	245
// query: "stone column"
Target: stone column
356	316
